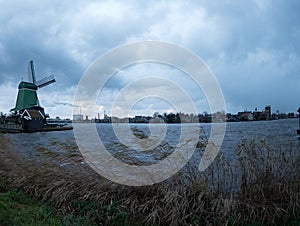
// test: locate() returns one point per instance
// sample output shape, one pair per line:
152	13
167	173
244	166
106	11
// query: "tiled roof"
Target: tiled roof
34	114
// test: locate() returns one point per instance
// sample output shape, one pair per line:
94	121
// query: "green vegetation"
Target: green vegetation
17	208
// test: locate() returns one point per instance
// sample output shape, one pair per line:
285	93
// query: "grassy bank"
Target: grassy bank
263	188
18	208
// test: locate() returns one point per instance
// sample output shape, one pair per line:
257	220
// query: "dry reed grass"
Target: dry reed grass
268	190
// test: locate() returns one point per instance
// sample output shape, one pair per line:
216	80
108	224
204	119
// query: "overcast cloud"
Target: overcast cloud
252	47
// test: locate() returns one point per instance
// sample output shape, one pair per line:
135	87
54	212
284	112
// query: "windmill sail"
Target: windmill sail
45	81
31	72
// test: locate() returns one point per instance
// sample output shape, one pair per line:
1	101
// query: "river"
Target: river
61	146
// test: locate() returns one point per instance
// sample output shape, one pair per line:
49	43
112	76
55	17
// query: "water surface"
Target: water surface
57	144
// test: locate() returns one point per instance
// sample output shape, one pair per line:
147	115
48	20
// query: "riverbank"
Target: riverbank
269	190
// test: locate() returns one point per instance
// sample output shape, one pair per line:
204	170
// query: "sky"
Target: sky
252	47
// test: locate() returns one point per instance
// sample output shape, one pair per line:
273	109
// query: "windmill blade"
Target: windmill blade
31	73
45	81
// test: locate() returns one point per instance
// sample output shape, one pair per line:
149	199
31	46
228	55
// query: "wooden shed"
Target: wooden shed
32	120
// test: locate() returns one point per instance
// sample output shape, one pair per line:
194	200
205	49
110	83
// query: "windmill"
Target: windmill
28	115
27	98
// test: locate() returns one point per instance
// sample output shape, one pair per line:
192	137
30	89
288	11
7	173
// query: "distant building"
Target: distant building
268	111
291	115
246	116
77	117
231	118
107	119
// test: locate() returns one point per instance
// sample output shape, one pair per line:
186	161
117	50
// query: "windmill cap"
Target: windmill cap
27	85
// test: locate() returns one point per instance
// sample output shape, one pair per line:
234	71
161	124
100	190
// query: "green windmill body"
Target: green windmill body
32	115
27	96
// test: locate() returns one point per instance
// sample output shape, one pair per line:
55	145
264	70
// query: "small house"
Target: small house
32	120
246	116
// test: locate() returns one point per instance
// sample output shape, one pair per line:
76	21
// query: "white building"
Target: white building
78	117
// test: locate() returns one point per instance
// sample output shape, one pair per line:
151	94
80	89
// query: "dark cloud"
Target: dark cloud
252	46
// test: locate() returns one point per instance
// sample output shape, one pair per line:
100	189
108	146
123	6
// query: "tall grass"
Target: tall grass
270	181
262	188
